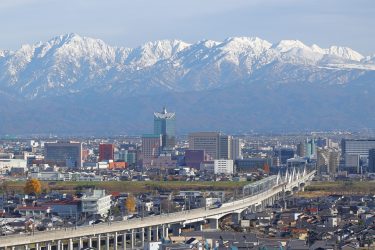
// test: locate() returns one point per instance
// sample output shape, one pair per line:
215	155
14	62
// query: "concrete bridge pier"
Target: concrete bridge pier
124	241
115	241
142	236
80	243
149	234
62	245
89	242
132	239
156	235
99	242
70	244
164	231
107	238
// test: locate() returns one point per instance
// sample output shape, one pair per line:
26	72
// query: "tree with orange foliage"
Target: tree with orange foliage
33	186
130	204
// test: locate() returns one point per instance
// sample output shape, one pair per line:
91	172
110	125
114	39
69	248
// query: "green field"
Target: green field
130	186
339	187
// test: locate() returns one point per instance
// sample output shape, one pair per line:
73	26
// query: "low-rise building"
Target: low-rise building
96	202
223	167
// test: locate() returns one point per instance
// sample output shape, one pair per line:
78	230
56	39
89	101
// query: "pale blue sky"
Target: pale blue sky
131	23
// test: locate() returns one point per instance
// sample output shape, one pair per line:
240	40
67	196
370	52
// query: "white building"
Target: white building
96	202
8	164
51	176
223	167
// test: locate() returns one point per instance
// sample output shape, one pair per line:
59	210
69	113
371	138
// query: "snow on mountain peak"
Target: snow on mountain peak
287	45
152	52
82	62
317	49
209	43
346	53
255	44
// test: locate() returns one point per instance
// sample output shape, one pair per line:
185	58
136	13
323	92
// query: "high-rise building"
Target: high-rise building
284	154
67	154
207	141
151	146
307	148
225	146
371	161
106	152
327	161
301	149
215	144
237	148
359	147
164	125
356	151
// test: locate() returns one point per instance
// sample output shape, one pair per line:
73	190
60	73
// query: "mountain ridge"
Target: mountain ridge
71	64
79	85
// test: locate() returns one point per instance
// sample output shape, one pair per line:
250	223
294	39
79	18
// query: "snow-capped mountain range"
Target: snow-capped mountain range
71	64
73	84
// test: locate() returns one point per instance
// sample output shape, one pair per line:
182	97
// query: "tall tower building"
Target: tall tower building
164	125
106	152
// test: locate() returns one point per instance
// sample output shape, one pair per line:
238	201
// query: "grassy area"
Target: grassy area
339	187
130	186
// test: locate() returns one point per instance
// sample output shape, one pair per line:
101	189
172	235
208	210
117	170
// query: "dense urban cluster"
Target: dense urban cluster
33	199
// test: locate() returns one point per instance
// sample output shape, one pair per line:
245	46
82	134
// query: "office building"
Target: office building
223	167
164	125
207	141
214	144
67	154
151	146
225	146
359	147
356	152
106	152
237	148
284	154
371	161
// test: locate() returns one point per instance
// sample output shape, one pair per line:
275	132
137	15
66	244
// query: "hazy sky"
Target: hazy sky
131	23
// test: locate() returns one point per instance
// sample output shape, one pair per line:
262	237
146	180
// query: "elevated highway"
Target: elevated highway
151	228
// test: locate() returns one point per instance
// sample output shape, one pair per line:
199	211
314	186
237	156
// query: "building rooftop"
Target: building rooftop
164	114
